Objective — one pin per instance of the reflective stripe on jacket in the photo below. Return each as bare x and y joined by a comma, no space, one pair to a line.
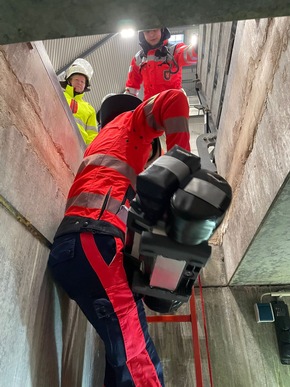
153,70
103,186
84,114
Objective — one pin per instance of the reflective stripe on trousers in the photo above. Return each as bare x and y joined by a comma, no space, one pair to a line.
89,267
134,332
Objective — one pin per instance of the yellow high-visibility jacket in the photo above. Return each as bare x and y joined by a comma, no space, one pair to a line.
84,114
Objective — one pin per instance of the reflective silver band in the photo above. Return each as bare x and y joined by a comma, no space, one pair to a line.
177,167
110,162
84,126
91,200
206,191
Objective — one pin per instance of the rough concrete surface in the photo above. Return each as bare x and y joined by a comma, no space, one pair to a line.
28,350
243,353
254,131
35,136
42,334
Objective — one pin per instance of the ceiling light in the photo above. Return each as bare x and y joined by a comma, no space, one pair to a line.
194,39
127,33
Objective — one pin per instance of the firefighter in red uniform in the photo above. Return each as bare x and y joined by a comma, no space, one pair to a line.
158,65
86,258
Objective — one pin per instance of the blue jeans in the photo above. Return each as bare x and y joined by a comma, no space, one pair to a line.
89,267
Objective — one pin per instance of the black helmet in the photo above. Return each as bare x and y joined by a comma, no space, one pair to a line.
165,35
115,104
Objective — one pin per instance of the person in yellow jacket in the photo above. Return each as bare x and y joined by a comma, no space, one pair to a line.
76,83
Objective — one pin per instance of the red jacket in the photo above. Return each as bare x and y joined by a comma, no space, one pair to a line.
119,153
153,70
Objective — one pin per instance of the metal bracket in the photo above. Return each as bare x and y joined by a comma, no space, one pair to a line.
204,142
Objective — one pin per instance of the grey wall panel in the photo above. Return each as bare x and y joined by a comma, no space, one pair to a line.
253,137
35,132
215,55
204,54
243,352
214,52
38,323
267,259
28,354
220,74
42,333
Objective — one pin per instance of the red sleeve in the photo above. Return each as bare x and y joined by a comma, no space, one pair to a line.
166,112
134,79
185,55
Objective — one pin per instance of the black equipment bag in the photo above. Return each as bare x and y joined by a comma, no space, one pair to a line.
157,183
197,208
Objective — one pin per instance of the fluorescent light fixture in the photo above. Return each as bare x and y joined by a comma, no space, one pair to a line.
127,33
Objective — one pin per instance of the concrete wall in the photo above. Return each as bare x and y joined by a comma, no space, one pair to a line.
253,149
40,150
242,352
247,90
252,152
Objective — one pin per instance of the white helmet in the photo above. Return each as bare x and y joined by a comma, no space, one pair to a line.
80,66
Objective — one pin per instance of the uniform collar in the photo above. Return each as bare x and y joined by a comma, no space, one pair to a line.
147,48
70,91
